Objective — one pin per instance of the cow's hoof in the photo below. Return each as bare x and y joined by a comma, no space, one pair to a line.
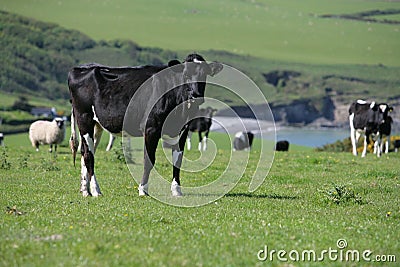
143,190
85,193
96,194
176,189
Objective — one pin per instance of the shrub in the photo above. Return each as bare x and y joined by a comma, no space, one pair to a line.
341,194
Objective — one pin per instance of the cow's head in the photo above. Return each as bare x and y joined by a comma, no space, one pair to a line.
194,72
383,111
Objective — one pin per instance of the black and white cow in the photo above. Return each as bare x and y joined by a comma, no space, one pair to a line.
282,145
201,124
396,145
243,141
103,94
385,129
365,119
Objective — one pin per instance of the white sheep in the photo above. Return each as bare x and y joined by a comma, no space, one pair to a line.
47,133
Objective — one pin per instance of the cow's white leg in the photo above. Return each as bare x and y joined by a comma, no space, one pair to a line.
200,142
94,188
176,189
143,190
110,142
379,151
84,179
188,141
204,143
387,144
353,135
364,153
376,144
354,142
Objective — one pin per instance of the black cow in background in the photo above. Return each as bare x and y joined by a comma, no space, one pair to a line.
365,119
243,141
103,94
396,145
385,130
201,124
282,145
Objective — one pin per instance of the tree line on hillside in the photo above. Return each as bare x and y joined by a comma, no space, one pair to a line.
36,56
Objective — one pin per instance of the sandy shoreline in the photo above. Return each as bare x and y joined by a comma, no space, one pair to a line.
233,125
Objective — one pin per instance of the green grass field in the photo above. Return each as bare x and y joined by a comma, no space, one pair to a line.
277,30
308,201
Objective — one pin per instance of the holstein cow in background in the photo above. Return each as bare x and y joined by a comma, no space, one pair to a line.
103,94
365,118
201,124
396,145
282,145
243,140
385,129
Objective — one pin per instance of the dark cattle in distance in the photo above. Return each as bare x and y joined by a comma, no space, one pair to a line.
365,119
201,124
282,145
385,130
396,145
103,94
243,141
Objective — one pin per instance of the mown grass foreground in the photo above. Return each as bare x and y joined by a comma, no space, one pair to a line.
309,201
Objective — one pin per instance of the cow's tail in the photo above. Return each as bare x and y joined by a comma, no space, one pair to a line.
73,141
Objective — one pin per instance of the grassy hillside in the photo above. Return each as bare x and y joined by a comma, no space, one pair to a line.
278,30
38,55
309,201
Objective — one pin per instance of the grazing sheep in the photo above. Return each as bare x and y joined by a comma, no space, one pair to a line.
47,133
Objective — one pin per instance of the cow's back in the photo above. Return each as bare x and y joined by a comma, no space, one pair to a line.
363,115
108,90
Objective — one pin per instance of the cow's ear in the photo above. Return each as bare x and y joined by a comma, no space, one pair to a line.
373,106
176,66
390,109
215,68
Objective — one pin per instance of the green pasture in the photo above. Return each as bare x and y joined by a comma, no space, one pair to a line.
277,30
308,201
